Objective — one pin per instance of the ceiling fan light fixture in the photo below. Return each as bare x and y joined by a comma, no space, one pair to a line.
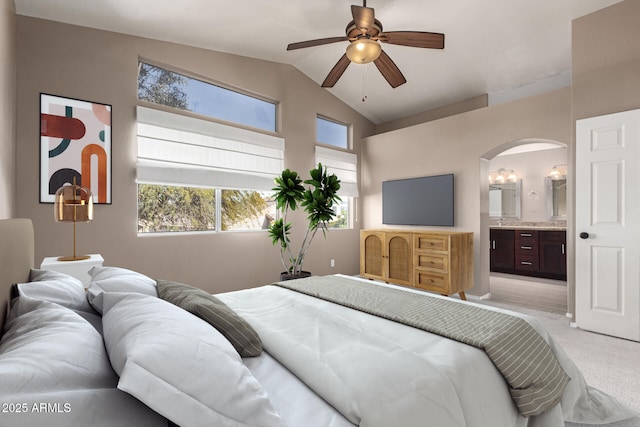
363,51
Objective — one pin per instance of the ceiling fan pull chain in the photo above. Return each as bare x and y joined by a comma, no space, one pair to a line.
364,75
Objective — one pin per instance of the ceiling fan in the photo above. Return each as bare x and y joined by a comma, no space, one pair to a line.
364,32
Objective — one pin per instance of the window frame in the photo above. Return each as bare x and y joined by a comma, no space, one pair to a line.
348,131
190,75
218,215
344,163
174,127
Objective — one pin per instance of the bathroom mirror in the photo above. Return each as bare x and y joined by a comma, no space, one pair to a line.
505,199
556,190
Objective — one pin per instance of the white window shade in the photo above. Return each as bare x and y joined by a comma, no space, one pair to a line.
181,150
344,165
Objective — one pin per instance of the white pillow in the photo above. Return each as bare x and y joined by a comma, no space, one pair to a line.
180,366
56,287
47,347
116,279
50,355
39,275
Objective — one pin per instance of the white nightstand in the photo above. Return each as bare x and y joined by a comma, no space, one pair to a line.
78,269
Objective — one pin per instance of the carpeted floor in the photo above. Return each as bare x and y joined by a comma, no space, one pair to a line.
609,364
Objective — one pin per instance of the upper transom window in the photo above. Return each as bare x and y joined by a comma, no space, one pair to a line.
332,133
161,86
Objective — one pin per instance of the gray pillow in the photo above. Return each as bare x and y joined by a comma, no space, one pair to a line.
196,301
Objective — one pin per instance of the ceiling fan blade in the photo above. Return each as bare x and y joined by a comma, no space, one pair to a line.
363,17
317,42
336,72
389,70
414,39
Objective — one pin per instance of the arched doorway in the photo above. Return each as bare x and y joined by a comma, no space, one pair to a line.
529,161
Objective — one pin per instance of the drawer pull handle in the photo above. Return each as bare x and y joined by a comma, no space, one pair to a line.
526,263
526,234
563,249
526,247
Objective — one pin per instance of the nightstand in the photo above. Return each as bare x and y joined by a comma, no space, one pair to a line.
78,269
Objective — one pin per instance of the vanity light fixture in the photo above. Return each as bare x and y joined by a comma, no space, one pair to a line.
502,175
556,172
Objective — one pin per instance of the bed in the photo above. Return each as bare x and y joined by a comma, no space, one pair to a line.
136,351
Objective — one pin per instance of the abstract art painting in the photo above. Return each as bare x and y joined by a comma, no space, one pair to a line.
75,144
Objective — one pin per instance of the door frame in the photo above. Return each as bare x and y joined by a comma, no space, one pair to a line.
484,213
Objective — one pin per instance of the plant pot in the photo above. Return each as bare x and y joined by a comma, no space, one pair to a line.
288,276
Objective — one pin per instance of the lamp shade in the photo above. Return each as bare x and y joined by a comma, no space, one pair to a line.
363,51
73,204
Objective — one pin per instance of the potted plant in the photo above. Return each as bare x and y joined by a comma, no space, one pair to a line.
317,201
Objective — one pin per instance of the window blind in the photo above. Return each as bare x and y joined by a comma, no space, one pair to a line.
344,165
179,150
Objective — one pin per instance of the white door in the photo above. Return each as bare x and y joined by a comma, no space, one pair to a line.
608,224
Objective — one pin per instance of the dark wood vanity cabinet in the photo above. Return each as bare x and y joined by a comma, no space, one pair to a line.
540,253
502,250
526,250
553,254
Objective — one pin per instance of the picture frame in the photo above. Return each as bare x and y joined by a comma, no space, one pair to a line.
75,146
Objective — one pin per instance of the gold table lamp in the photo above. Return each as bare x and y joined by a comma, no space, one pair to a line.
73,203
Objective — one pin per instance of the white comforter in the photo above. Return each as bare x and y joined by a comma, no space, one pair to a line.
379,373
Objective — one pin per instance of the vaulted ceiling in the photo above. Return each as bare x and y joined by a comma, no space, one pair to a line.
506,48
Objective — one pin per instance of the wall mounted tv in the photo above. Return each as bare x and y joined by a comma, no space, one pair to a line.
418,201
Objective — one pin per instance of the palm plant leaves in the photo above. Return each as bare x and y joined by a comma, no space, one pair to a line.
317,201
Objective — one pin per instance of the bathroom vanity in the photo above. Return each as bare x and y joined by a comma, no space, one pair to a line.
539,252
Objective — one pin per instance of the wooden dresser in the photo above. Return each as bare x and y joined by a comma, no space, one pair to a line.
438,261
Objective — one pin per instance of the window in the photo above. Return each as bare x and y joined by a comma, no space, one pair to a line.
166,208
246,210
172,89
196,175
332,133
342,209
345,166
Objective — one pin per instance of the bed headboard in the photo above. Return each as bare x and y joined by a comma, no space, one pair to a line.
16,258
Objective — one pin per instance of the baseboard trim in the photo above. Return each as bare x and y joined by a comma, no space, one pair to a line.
479,297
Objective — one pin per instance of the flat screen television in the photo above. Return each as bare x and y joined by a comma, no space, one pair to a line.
418,201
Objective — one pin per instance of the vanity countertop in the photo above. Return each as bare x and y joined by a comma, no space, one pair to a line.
529,227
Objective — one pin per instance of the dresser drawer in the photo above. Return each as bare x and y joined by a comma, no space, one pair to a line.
431,242
527,262
432,262
432,281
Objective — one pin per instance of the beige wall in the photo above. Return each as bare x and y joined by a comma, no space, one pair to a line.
7,108
101,66
606,61
474,103
456,145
